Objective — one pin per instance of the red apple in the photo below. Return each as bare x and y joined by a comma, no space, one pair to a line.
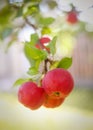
58,83
30,95
72,17
43,42
52,103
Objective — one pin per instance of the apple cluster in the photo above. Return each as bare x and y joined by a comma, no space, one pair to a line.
56,85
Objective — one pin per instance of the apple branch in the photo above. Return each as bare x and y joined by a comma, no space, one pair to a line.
46,65
29,23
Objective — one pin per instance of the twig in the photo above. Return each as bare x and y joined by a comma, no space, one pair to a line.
29,23
46,65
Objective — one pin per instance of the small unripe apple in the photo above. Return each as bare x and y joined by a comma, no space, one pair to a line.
44,40
42,44
72,17
30,95
58,83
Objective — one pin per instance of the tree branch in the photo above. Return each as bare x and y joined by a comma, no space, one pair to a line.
46,65
29,23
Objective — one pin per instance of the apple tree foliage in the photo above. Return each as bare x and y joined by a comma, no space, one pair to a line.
29,11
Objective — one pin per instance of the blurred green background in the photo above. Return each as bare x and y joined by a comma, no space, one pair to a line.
76,113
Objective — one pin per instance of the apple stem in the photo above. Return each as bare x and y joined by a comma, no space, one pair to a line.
46,66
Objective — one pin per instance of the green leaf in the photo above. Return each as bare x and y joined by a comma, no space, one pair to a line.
35,1
31,10
45,30
33,53
34,38
20,81
32,71
5,14
52,4
65,63
52,45
54,65
46,21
